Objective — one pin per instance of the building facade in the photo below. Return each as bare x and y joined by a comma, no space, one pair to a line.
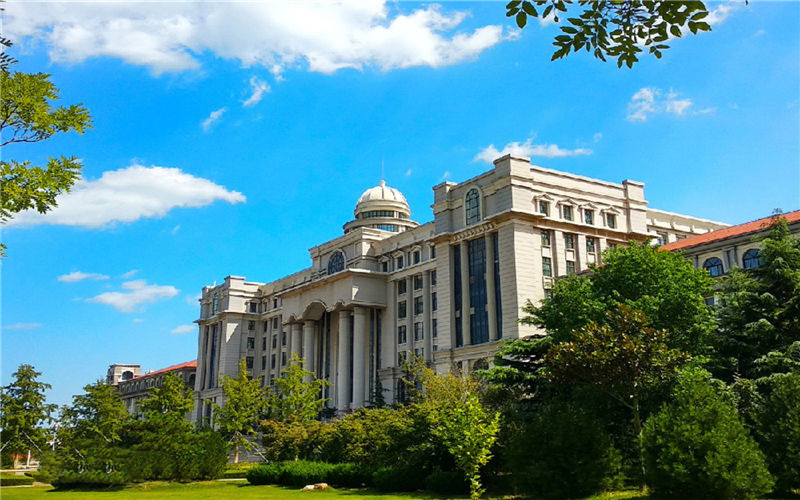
132,385
446,291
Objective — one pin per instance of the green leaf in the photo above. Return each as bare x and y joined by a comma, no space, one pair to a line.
522,19
513,3
529,9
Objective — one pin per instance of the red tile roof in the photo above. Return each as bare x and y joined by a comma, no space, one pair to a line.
729,232
188,364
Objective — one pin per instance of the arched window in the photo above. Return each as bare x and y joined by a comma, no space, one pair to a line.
127,375
713,266
336,262
751,259
472,206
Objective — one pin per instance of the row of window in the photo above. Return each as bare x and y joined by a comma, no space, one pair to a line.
567,214
415,257
547,267
569,242
402,309
750,260
256,307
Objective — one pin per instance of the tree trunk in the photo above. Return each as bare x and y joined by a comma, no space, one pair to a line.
236,453
637,425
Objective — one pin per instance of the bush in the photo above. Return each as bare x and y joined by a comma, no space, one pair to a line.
779,431
301,473
402,479
562,452
14,480
90,480
447,483
39,476
183,457
350,475
265,474
285,441
697,446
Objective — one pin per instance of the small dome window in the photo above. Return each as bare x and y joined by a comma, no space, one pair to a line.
336,262
713,266
752,259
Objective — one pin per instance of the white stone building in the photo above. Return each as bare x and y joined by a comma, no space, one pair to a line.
446,290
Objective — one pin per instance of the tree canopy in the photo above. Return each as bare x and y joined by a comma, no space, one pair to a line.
245,404
23,411
292,398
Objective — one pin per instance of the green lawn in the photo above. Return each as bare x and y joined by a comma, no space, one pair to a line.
223,490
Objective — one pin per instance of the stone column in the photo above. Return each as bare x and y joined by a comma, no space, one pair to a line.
343,370
427,305
308,347
359,355
491,298
581,253
466,335
297,335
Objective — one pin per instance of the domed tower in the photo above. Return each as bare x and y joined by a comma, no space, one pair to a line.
384,208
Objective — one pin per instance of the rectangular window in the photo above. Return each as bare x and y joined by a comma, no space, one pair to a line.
283,338
418,332
570,267
569,241
266,325
253,307
434,328
544,208
275,323
401,286
417,256
402,336
274,303
662,239
283,359
419,352
263,362
547,266
399,262
251,325
275,341
401,357
433,251
588,216
264,344
591,245
251,343
248,362
433,278
566,212
611,220
418,282
385,266
548,293
545,238
418,305
434,302
273,361
401,309
709,301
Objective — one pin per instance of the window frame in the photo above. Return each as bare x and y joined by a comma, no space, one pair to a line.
472,206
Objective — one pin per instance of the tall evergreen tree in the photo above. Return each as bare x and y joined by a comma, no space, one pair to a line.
23,411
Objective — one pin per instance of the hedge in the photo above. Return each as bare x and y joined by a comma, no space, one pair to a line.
14,480
90,480
301,473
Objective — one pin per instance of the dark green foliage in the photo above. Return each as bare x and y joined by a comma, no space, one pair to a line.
614,29
14,480
696,446
350,475
562,452
399,479
265,474
90,480
371,437
301,473
447,483
179,457
295,440
23,411
779,430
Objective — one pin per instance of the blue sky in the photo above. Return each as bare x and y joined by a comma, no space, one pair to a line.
230,138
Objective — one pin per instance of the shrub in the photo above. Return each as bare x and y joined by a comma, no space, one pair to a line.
265,474
90,480
301,473
350,475
14,480
562,452
398,479
447,483
697,446
294,440
779,430
184,457
39,476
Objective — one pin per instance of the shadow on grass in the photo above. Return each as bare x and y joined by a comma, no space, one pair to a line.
363,492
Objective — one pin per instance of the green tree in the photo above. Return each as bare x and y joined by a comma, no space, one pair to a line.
778,430
625,359
458,418
166,406
759,318
616,29
293,399
23,411
245,404
27,115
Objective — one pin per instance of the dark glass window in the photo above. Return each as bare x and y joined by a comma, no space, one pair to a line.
283,359
547,266
401,286
662,239
709,301
266,325
566,212
274,303
377,213
264,344
418,332
611,220
569,241
399,262
401,309
248,362
433,278
570,267
251,325
434,328
544,208
402,338
713,266
275,341
283,338
386,227
418,305
591,246
418,282
385,266
479,318
457,295
272,361
336,263
472,206
545,238
417,256
263,362
253,307
275,323
215,303
751,259
588,216
433,251
434,302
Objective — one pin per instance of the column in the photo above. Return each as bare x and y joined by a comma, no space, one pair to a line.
297,334
466,335
427,305
582,254
558,253
491,297
343,370
308,348
359,355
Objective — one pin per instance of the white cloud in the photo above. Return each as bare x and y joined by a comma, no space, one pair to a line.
527,148
126,195
596,137
259,88
409,172
130,274
23,326
445,176
318,36
180,330
76,276
176,229
721,13
136,293
649,101
193,300
137,320
213,117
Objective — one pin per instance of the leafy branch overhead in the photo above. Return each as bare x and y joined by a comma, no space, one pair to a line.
620,29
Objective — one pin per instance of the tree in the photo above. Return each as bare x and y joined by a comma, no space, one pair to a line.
625,359
778,430
245,403
166,406
461,422
292,398
759,318
28,115
620,29
23,410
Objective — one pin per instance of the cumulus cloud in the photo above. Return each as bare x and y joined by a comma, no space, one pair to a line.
126,195
134,294
180,330
317,36
130,274
649,101
721,13
23,326
76,276
137,320
212,118
259,88
529,149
